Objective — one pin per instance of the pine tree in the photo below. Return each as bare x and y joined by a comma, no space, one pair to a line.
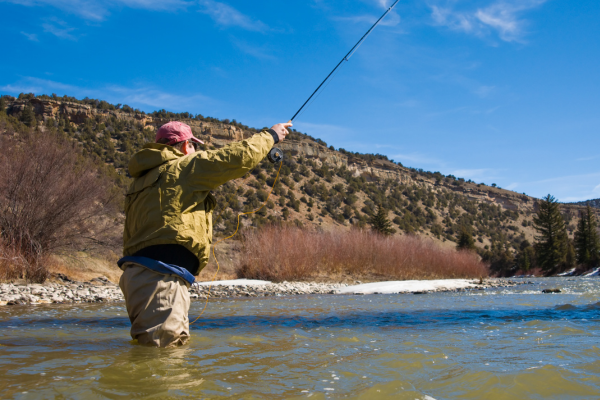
2,104
552,241
587,243
526,256
465,240
28,116
380,222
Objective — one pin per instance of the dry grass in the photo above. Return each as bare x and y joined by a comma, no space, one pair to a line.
83,267
79,266
14,266
291,254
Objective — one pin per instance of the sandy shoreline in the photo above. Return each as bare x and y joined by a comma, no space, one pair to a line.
102,290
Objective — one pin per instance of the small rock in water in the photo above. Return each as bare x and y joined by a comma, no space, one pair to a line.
551,291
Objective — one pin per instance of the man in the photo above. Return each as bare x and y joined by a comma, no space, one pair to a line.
168,224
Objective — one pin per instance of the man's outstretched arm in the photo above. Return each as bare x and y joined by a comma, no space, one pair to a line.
209,169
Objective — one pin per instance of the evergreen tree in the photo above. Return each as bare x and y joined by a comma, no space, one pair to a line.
28,116
465,240
380,222
552,240
3,104
587,243
526,256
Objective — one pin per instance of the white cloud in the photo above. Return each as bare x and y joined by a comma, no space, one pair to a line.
453,20
59,29
99,10
254,51
324,131
477,174
567,188
226,15
416,158
156,98
31,36
136,96
501,17
20,88
484,90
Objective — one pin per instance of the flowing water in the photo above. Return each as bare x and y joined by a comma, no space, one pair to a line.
511,343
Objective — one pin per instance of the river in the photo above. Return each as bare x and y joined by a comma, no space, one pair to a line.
504,343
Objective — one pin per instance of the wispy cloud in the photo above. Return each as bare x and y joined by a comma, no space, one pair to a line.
136,96
157,98
417,158
325,131
21,88
31,36
59,29
392,19
502,17
484,91
568,188
255,51
228,16
99,10
477,174
587,158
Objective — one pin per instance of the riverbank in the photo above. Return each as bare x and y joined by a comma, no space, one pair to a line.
102,290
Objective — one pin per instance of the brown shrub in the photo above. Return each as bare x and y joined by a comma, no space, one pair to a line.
291,254
51,198
13,265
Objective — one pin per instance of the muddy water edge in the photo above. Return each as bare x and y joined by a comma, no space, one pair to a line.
500,343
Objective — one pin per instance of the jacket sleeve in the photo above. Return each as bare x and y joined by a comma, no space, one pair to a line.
206,170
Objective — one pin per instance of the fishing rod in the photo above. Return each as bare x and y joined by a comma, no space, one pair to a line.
346,57
276,155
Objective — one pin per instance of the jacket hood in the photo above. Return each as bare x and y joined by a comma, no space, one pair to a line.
150,157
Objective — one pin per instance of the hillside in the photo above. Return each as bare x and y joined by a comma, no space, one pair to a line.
319,187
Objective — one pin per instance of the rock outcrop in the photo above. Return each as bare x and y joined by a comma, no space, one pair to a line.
219,134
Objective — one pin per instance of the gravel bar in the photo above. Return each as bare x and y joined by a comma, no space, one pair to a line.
102,290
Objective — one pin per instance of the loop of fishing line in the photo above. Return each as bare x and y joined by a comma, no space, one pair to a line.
232,235
309,102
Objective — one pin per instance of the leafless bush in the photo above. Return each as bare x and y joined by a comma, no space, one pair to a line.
280,253
51,198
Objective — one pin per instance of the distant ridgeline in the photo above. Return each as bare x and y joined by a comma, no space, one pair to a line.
320,187
592,203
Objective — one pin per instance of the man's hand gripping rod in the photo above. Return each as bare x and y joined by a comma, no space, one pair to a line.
276,155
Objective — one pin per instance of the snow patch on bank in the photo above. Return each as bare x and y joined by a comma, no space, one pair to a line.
595,272
408,286
234,282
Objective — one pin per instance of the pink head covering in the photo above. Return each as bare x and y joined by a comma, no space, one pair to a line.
176,132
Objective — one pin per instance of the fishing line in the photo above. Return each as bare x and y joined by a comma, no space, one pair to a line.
232,235
346,57
331,75
317,96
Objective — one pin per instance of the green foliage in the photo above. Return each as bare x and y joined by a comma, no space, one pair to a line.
380,222
28,116
115,134
552,240
587,243
465,240
525,258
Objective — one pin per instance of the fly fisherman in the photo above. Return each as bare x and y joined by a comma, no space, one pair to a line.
168,224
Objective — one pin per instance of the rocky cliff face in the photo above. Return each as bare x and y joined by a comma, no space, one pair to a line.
219,134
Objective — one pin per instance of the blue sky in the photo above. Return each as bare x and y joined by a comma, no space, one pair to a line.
496,91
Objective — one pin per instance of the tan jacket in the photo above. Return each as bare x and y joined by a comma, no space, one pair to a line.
169,202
